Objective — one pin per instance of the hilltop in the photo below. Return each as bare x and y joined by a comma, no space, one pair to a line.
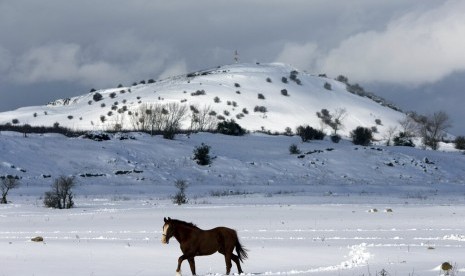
259,97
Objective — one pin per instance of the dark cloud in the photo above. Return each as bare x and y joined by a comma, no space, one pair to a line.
56,48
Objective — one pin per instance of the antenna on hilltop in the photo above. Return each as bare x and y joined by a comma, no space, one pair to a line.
236,56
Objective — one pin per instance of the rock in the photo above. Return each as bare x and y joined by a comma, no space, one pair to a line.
37,239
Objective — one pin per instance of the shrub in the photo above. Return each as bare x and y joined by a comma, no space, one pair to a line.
342,78
70,117
93,90
226,113
403,140
378,122
284,79
460,142
15,121
180,197
97,96
327,86
361,136
335,138
261,109
284,92
216,99
35,114
60,196
151,81
120,85
198,93
288,131
308,133
268,80
245,111
293,149
202,155
142,82
230,128
103,105
112,95
237,85
260,96
102,118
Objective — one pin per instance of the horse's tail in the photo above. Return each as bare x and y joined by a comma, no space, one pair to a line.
241,251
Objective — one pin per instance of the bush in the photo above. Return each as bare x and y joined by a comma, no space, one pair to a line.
403,140
230,128
268,80
460,142
293,149
284,79
261,109
202,155
97,96
237,85
308,133
216,100
284,92
336,138
112,95
361,136
15,121
327,86
180,197
60,196
260,96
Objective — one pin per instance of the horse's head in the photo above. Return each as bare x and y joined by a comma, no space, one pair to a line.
168,231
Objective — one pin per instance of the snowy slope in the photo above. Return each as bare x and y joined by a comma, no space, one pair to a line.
252,164
238,83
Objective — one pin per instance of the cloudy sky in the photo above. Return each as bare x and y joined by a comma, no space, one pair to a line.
408,51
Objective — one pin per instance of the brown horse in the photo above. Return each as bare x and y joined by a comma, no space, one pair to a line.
197,242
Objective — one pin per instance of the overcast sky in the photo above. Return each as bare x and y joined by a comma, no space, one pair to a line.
408,51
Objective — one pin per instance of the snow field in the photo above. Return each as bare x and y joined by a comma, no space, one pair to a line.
103,236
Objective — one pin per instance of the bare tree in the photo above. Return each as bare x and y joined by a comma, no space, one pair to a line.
389,134
60,196
140,118
6,185
409,126
202,119
334,120
434,128
173,115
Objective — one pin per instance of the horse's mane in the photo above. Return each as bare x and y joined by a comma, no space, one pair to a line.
188,224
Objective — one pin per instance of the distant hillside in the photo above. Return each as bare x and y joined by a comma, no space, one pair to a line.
259,97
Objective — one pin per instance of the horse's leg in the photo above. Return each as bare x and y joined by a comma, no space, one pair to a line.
178,270
192,265
238,263
227,257
227,260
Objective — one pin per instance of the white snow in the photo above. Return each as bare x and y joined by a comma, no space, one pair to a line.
337,209
297,216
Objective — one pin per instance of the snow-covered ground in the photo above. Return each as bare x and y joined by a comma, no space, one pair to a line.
325,213
105,236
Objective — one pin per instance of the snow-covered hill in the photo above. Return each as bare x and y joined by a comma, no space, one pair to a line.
252,164
291,98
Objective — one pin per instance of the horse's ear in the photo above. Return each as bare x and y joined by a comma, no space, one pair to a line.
165,219
169,218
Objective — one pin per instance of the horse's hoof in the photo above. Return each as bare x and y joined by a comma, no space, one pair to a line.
178,273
